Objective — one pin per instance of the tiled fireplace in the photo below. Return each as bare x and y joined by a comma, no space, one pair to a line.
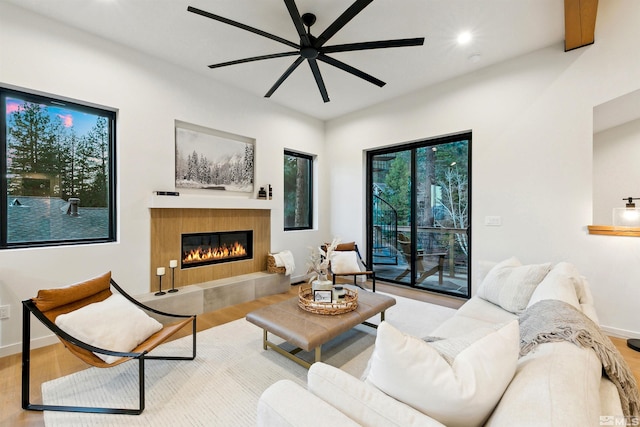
178,232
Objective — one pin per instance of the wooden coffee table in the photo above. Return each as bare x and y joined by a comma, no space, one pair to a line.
308,331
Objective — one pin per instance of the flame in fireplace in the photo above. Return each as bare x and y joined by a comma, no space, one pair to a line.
207,254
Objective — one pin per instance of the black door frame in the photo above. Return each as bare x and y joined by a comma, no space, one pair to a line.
412,147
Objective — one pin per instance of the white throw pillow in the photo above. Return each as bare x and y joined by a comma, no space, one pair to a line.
510,284
113,324
462,393
559,284
345,262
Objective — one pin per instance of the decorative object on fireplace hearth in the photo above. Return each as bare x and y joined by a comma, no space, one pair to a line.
272,266
160,273
173,264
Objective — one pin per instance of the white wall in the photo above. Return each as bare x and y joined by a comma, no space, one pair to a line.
41,55
616,174
531,119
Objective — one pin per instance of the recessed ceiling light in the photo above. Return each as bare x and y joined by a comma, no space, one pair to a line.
464,37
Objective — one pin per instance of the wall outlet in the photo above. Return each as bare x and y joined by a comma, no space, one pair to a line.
5,312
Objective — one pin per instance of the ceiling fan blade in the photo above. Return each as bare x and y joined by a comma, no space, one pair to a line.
297,21
284,76
382,44
242,26
349,69
254,58
316,74
341,21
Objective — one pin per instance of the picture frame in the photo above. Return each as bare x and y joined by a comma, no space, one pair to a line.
213,160
322,296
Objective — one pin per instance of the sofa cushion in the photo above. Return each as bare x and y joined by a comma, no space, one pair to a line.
510,284
364,403
475,313
556,385
113,324
478,308
462,393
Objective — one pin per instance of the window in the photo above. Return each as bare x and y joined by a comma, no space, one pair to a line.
298,191
57,172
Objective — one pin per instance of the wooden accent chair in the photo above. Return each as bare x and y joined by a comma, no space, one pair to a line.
352,247
51,303
423,267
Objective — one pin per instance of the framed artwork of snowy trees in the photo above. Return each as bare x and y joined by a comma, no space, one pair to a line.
213,160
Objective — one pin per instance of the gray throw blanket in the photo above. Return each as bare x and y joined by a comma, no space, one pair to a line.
554,320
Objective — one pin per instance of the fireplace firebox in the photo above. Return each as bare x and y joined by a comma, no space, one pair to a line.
200,249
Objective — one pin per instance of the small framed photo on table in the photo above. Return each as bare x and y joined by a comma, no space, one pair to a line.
322,296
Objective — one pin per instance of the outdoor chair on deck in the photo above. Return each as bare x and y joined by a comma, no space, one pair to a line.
347,261
424,267
83,304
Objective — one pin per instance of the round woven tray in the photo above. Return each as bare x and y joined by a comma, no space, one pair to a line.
306,302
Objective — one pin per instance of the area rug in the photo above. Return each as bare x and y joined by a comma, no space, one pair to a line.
222,385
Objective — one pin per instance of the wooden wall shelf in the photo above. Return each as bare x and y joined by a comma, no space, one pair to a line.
610,230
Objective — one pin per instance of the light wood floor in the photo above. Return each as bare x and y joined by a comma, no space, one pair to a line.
54,361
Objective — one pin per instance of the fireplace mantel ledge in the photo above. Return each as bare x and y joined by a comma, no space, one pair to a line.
190,201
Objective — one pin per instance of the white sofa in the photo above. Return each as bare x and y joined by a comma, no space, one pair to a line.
558,384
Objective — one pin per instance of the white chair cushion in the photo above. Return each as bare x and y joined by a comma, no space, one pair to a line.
345,262
510,284
113,324
462,393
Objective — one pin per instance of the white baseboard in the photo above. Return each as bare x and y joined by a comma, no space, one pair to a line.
619,333
16,348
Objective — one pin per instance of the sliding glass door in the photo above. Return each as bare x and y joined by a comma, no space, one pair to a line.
418,214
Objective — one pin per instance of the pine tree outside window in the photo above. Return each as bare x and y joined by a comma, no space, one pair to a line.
57,163
298,191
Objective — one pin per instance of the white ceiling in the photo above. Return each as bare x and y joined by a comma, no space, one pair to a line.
502,29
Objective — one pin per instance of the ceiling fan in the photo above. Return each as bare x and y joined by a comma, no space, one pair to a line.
313,48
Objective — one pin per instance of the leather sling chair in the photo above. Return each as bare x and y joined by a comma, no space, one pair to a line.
51,303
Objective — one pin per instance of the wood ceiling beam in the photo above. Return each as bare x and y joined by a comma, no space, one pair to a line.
579,23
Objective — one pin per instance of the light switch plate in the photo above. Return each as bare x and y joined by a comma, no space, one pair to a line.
492,220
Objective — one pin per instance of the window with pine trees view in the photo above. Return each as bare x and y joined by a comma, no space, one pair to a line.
57,172
298,191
